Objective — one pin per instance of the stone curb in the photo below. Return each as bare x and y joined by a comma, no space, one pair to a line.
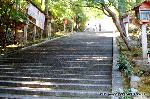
116,75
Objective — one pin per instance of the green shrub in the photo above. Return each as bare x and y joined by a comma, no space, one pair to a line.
124,65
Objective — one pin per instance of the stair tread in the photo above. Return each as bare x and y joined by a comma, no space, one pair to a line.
12,96
52,90
50,83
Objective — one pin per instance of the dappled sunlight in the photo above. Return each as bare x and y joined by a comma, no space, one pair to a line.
92,58
37,82
12,46
34,89
6,68
90,42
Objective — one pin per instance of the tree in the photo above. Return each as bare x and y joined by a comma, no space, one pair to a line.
46,19
65,9
8,17
79,15
120,7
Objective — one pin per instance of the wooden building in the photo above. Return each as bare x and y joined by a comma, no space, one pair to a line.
142,12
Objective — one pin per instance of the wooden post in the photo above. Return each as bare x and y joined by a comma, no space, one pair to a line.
49,29
127,32
64,27
42,34
34,33
65,23
72,27
144,43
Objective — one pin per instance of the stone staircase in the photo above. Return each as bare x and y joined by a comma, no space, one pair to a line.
74,67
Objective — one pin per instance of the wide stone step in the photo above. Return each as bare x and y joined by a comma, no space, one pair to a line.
83,48
49,72
52,75
55,68
50,92
48,54
101,67
82,61
67,64
98,52
58,60
13,96
34,67
90,79
65,86
59,71
66,56
79,44
25,64
84,58
30,56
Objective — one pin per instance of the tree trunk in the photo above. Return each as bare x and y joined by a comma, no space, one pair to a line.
46,19
117,23
3,38
122,26
15,34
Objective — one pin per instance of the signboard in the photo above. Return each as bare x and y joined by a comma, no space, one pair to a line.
40,20
37,15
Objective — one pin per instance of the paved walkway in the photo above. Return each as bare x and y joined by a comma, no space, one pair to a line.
78,66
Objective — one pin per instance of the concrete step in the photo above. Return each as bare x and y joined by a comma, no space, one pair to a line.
67,64
104,79
55,53
65,56
58,60
65,86
101,48
53,69
50,92
51,75
12,96
61,71
79,44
